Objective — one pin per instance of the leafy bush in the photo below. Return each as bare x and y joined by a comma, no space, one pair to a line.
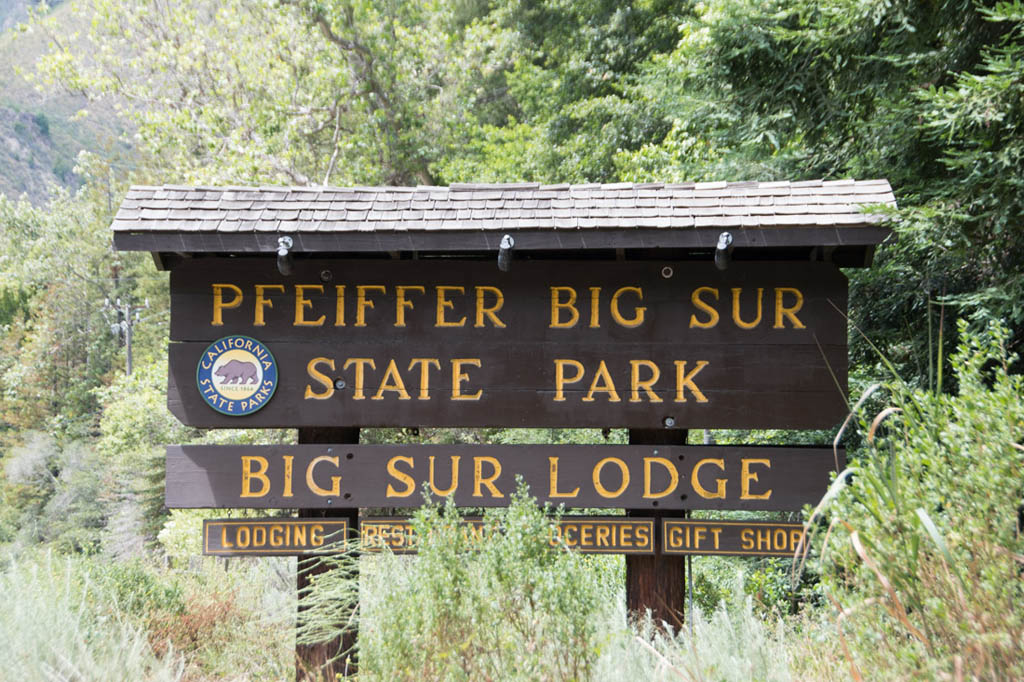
926,561
61,624
509,607
732,643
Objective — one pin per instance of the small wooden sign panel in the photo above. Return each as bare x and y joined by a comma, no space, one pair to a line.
730,538
585,534
598,476
449,342
272,537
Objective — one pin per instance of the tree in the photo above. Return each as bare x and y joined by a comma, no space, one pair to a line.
925,95
296,92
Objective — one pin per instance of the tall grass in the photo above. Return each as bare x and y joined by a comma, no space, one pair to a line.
512,608
733,643
58,624
925,557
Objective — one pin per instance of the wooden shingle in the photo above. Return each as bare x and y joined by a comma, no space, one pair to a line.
468,217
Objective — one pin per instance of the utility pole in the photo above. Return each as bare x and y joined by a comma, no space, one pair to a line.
124,325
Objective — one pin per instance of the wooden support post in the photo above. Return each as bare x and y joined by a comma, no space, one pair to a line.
656,582
312,662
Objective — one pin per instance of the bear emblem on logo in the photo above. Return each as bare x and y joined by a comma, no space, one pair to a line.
236,375
236,370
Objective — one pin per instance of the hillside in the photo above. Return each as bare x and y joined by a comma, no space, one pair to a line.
39,141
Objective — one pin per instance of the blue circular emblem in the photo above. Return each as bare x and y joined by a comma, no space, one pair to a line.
236,375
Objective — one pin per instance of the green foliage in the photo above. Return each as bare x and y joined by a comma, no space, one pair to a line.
926,555
295,92
55,348
507,606
138,591
729,644
926,95
56,491
559,112
59,623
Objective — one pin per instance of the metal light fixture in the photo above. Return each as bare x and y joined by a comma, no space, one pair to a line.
723,252
284,255
505,252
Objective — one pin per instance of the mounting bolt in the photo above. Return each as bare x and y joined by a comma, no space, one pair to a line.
669,422
339,384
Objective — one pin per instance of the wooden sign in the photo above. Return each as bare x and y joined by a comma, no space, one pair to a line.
444,342
733,538
272,537
599,476
586,534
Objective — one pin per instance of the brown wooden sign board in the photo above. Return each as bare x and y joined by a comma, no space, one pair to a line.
730,538
598,476
449,342
585,534
272,537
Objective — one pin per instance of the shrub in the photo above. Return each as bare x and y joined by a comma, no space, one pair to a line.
732,643
926,562
59,623
508,607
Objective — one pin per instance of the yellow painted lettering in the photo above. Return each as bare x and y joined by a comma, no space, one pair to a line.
638,314
454,479
623,469
746,476
321,378
736,309
558,305
220,305
595,307
607,385
684,381
635,383
401,477
425,365
339,305
719,493
359,384
480,480
704,306
301,303
335,480
401,302
392,381
782,310
288,464
553,481
490,312
561,380
362,302
672,473
459,377
263,302
249,475
444,304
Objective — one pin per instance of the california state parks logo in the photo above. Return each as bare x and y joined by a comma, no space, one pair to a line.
237,375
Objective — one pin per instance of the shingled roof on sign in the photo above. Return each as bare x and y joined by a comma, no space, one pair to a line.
473,217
